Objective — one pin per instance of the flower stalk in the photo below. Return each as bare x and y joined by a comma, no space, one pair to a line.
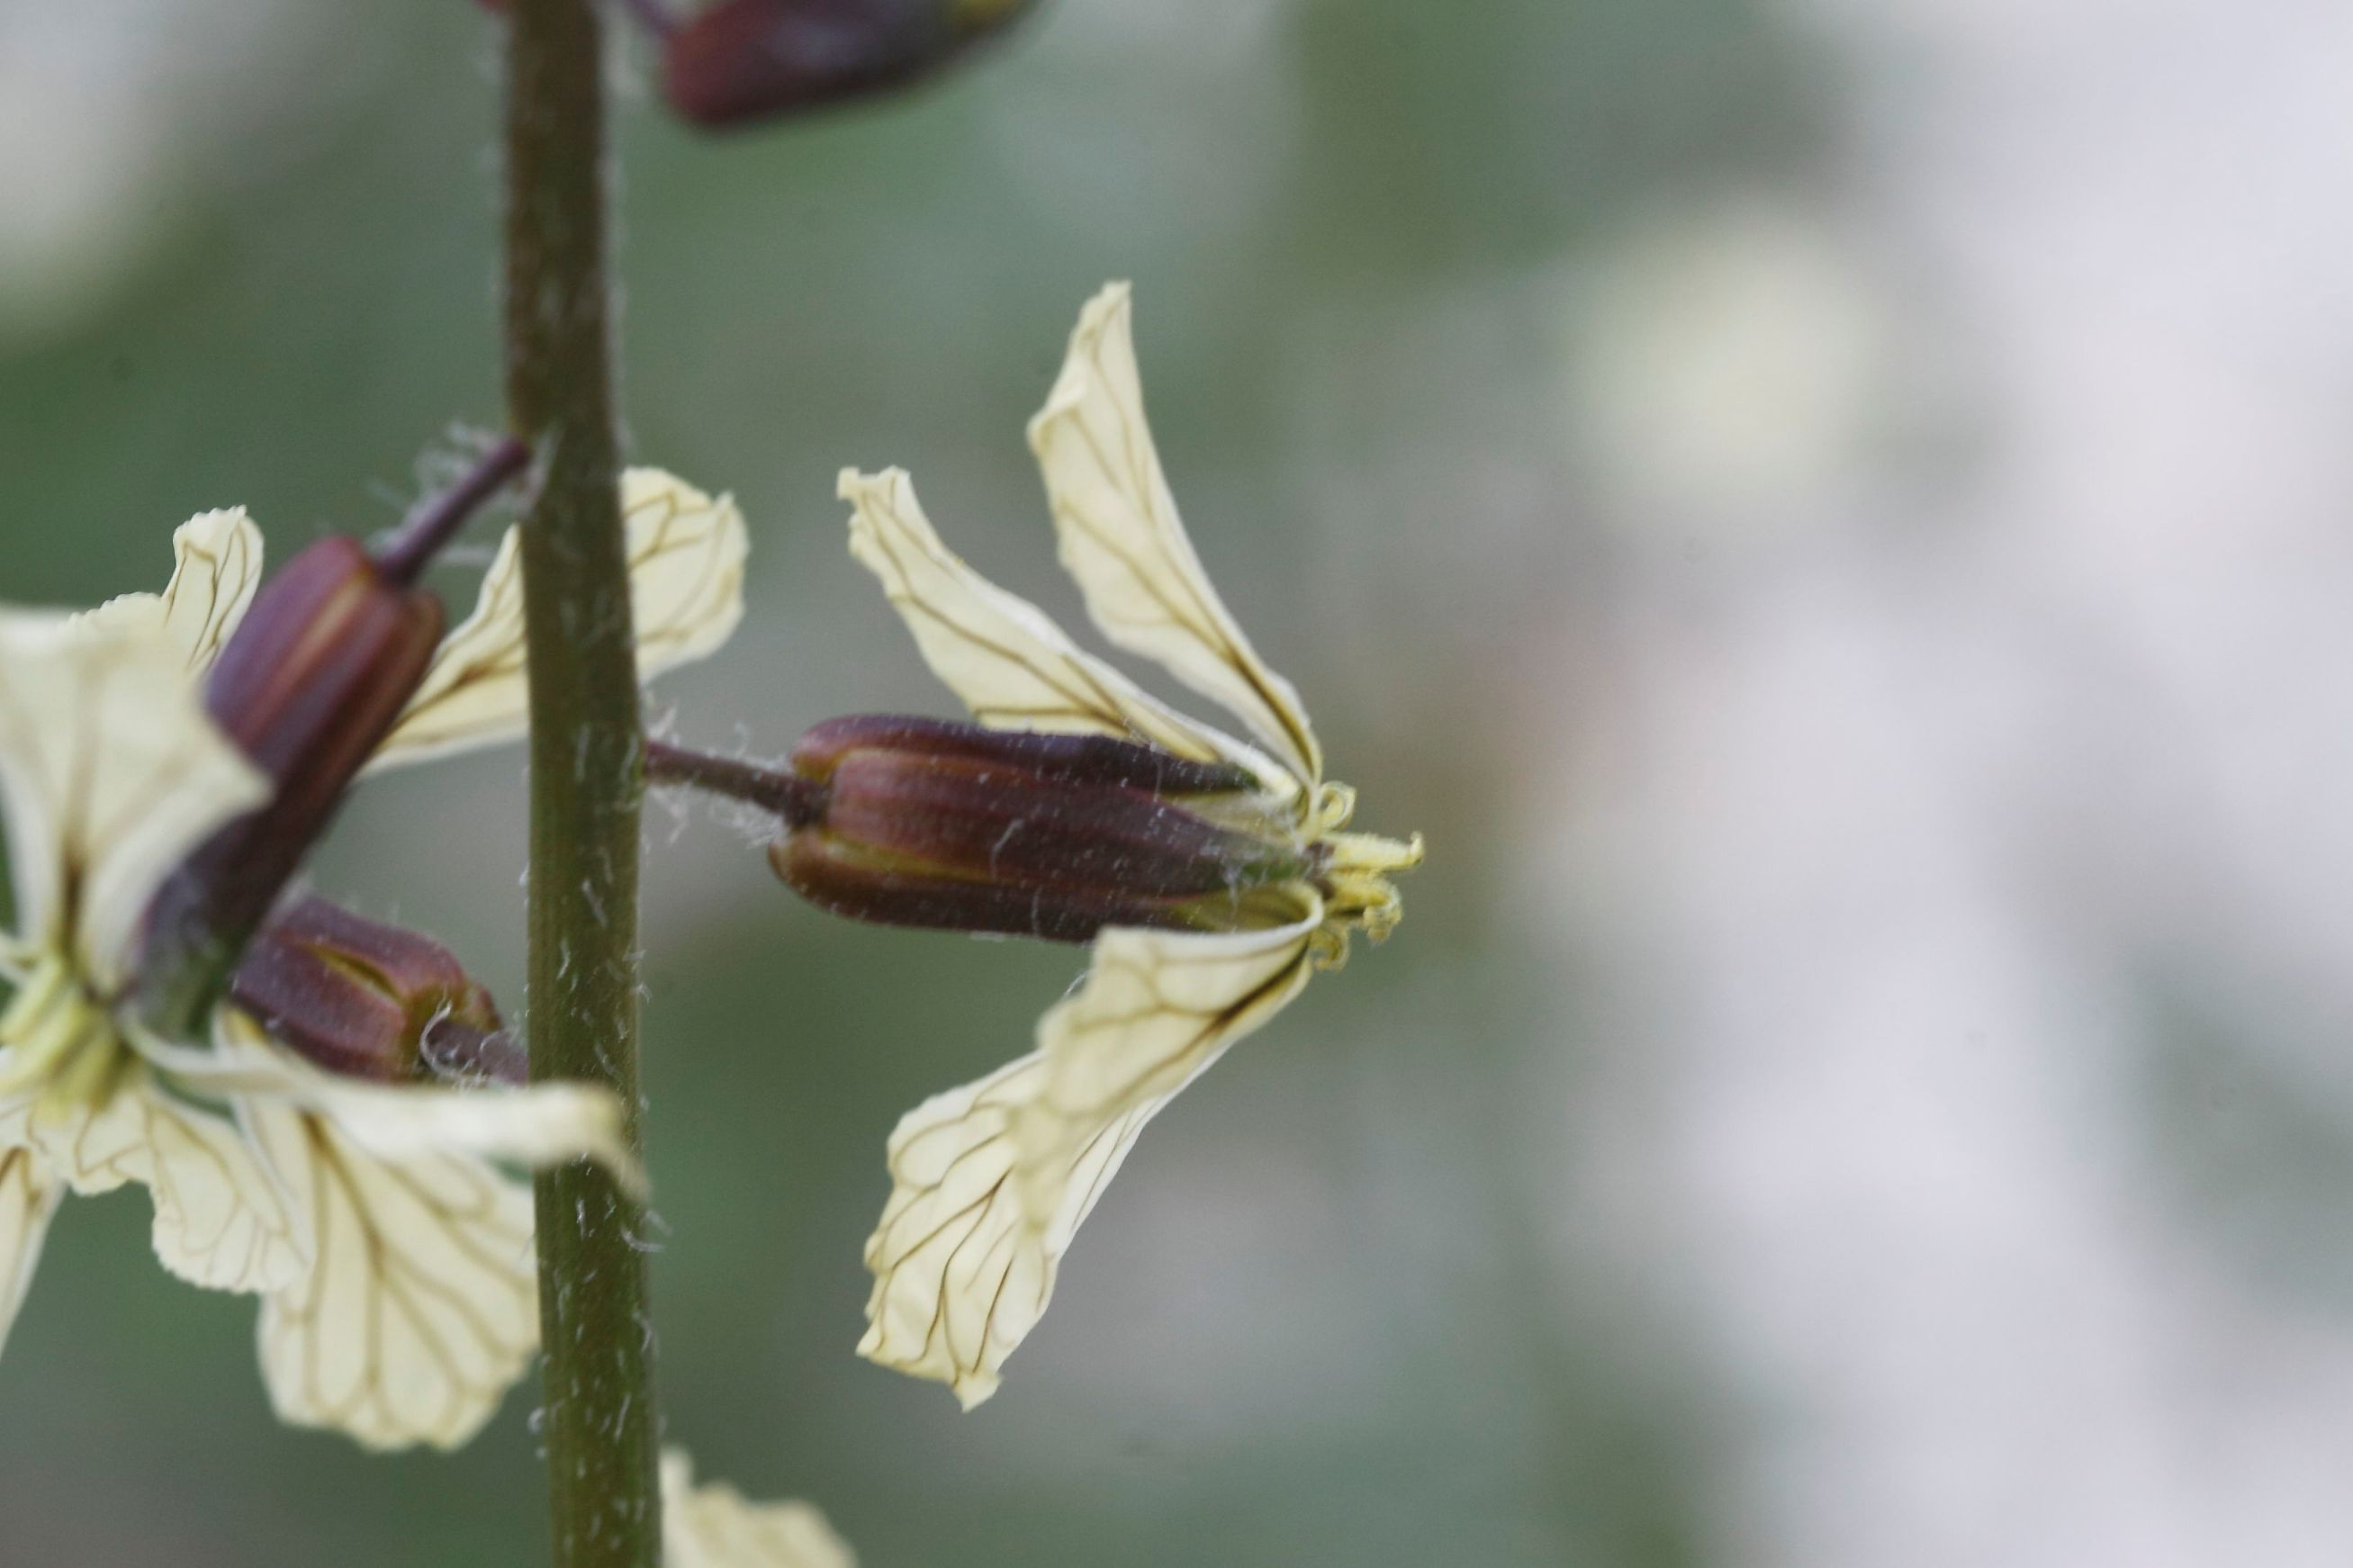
404,556
601,1425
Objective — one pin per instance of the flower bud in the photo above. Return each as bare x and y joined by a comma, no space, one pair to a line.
316,675
914,822
312,680
756,59
371,1001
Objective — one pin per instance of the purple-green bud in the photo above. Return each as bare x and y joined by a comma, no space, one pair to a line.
746,60
314,677
916,822
371,1001
311,681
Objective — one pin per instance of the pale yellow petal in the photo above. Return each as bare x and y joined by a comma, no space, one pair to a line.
222,1220
421,1308
94,1151
715,1526
1122,538
1157,1009
539,1125
29,1197
686,594
1005,657
960,1276
110,772
216,567
991,1180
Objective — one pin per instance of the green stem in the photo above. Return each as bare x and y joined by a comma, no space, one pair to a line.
601,1428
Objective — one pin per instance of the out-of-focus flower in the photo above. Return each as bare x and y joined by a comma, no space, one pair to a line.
746,60
371,1212
992,1180
715,1526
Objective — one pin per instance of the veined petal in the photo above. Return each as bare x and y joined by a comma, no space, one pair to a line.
29,1197
686,594
960,1279
216,567
1122,538
110,772
1011,664
542,1125
1155,1009
221,1219
991,1180
421,1308
715,1526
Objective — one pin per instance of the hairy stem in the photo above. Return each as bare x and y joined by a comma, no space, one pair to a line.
601,1425
403,557
796,801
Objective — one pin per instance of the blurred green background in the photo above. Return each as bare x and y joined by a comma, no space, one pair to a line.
1860,1080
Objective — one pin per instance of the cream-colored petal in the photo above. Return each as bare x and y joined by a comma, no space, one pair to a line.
1122,538
221,1219
93,1151
421,1308
29,1197
991,1180
686,596
1155,1009
542,1125
960,1277
217,566
110,772
715,1526
1007,660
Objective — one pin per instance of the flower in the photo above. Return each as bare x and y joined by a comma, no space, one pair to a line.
991,1180
713,1526
391,1251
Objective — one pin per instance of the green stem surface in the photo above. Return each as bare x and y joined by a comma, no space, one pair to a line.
601,1425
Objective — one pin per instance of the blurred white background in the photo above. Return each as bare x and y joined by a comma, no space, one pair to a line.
1837,519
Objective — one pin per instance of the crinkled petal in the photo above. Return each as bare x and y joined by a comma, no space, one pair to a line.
1122,538
1155,1009
110,772
29,1197
221,1219
1005,657
686,586
95,1151
991,1180
715,1526
421,1308
217,566
539,1125
960,1278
